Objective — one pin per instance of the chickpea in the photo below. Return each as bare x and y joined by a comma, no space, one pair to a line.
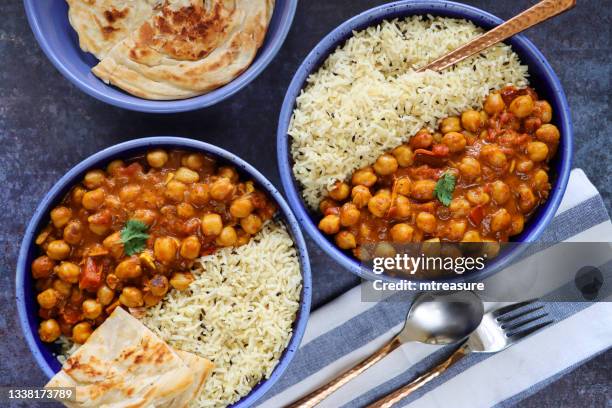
330,224
423,190
477,196
227,237
131,297
548,133
241,207
402,186
175,190
48,298
49,331
145,216
456,229
91,309
129,192
228,172
165,249
221,189
185,210
543,111
471,120
384,250
99,223
199,194
500,192
469,168
93,199
130,268
340,191
105,295
521,106
494,104
426,222
385,165
212,224
159,285
450,124
58,250
527,199
422,140
186,175
494,156
76,195
114,166
150,299
361,196
326,205
63,288
537,151
243,238
349,215
68,272
459,207
540,180
364,177
73,232
190,247
524,166
471,236
401,233
157,158
379,204
112,281
81,332
60,216
42,267
518,223
251,224
195,161
402,207
346,240
181,280
404,155
500,220
454,141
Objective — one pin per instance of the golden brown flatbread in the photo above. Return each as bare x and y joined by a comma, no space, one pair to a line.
189,47
201,368
101,24
124,364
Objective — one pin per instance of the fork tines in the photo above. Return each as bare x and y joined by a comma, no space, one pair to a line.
512,322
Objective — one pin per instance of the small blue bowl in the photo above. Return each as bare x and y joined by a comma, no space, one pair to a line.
542,78
49,22
25,292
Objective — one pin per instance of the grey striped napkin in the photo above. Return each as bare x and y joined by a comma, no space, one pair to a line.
345,331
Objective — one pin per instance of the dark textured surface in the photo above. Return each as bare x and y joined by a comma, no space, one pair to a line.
47,126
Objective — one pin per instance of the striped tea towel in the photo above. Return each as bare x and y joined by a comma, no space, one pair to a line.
347,330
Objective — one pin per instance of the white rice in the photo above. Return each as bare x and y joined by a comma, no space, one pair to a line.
367,99
238,313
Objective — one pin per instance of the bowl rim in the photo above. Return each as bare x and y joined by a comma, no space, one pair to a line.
366,19
135,103
115,151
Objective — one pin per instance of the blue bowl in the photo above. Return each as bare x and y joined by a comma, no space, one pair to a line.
542,78
25,292
49,22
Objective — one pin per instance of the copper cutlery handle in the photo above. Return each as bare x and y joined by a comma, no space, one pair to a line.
528,18
325,391
403,392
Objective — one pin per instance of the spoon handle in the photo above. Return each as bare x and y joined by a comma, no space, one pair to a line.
326,390
403,392
540,12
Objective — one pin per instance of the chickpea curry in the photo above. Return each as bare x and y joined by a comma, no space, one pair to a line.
477,179
128,235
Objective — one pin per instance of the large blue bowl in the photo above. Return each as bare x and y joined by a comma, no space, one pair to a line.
542,78
25,292
49,22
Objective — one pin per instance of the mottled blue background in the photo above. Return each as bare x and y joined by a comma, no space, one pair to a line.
47,126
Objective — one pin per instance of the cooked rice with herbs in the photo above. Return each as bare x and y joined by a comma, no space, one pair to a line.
367,99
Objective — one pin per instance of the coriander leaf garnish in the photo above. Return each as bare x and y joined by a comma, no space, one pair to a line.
445,187
134,237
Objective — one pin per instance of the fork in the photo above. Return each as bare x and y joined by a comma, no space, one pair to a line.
498,330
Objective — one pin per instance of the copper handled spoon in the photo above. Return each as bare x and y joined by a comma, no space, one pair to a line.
540,12
433,318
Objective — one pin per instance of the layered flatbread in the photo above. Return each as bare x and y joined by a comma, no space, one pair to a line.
101,24
124,364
